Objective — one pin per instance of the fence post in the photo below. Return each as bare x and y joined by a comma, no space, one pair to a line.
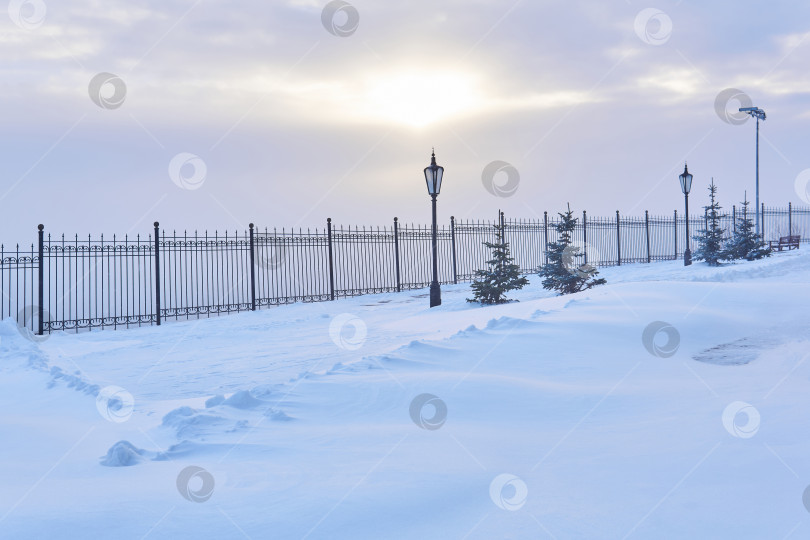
647,226
790,219
252,271
157,272
734,217
453,246
618,238
676,234
585,235
763,221
396,252
331,260
503,229
545,232
41,287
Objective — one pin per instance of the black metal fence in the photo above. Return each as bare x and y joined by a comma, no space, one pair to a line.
80,284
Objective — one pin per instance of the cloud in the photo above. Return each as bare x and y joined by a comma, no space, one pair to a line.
566,92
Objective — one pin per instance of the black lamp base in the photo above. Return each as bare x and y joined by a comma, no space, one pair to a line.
435,294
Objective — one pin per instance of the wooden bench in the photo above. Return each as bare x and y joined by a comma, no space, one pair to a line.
789,242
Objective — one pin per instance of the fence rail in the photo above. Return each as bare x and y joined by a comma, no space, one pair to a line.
85,283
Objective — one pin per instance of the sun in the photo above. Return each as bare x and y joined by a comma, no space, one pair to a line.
419,99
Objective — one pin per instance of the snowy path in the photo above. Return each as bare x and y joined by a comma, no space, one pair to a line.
608,440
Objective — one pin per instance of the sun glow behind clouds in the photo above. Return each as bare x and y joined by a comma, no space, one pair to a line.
408,97
419,99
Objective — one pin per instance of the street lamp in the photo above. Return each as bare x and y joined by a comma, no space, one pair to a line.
759,114
686,187
433,177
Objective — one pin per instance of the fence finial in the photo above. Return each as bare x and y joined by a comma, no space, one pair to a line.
40,227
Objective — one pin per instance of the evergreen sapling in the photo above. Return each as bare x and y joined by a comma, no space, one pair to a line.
562,272
711,240
500,277
746,243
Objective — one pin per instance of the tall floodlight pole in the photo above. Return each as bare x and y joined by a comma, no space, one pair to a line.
433,177
759,114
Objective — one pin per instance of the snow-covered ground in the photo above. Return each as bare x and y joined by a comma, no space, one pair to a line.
671,403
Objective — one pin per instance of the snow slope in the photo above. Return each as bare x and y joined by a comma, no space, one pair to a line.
671,403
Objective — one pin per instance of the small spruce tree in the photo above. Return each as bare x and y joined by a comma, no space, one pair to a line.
562,273
746,243
711,240
500,276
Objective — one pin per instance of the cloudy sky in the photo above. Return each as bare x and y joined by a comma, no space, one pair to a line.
204,114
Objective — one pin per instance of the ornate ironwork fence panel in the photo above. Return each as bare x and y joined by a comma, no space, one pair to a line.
19,285
91,283
663,232
364,260
603,247
204,275
799,223
292,266
696,224
471,253
633,232
526,243
416,255
790,221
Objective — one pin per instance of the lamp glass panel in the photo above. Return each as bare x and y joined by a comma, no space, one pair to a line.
686,182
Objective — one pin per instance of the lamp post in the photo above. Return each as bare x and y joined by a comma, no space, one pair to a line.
686,187
759,114
433,177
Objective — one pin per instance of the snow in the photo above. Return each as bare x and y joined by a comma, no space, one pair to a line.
377,417
123,454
